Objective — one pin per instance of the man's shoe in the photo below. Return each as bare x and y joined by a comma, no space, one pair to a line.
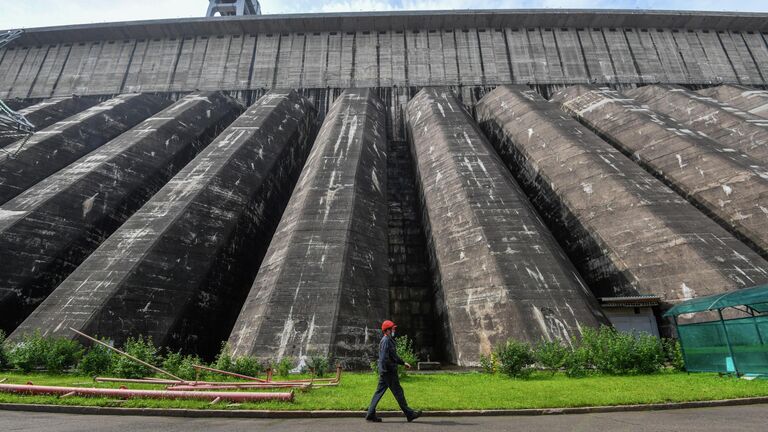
416,414
373,419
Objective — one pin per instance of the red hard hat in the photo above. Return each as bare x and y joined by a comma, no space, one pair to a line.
386,325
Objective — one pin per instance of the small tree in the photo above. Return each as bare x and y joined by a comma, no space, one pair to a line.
247,365
317,364
3,353
29,353
96,361
142,349
489,363
405,350
515,358
551,355
62,354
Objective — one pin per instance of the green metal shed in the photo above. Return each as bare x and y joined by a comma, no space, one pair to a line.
726,345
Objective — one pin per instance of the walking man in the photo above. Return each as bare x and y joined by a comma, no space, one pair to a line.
388,379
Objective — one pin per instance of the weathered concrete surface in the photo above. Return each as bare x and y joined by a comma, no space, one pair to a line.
49,112
179,268
733,128
729,186
627,232
457,48
744,98
322,287
26,162
48,230
500,272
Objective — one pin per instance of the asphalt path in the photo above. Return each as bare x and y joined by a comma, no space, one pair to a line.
740,418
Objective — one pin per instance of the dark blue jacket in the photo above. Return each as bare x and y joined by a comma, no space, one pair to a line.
388,358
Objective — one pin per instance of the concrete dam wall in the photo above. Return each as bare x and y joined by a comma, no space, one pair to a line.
285,183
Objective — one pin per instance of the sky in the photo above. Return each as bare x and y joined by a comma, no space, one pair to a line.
40,13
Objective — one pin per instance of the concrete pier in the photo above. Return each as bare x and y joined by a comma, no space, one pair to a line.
48,230
322,287
180,267
731,187
744,98
500,272
625,230
26,162
732,128
51,111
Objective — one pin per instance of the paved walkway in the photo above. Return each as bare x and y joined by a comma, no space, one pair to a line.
742,418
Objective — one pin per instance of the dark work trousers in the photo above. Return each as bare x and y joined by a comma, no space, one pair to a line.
389,380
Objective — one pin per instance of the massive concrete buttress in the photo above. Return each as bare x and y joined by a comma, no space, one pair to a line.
49,112
26,162
733,128
322,287
48,230
741,97
729,186
627,232
500,272
179,268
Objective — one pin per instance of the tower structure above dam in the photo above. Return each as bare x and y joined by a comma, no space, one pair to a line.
367,178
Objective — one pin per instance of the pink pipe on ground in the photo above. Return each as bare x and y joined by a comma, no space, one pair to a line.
199,387
149,394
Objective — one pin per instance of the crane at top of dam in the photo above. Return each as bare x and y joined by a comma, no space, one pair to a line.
233,8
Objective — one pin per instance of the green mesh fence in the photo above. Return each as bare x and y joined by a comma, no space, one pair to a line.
705,345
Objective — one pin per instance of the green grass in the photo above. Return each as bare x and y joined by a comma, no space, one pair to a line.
448,392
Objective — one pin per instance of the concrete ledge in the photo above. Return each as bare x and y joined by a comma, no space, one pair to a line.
63,409
395,20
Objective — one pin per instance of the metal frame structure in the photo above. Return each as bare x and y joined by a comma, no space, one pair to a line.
750,301
10,120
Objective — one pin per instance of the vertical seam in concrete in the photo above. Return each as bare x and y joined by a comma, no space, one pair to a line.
128,68
178,57
509,55
61,71
378,61
610,55
202,64
583,56
429,63
327,55
18,72
456,50
352,82
483,79
405,58
303,57
752,56
765,44
559,56
706,56
684,64
39,69
658,54
730,62
638,72
253,59
277,59
222,81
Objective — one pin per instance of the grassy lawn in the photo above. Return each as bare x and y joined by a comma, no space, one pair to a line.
447,391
